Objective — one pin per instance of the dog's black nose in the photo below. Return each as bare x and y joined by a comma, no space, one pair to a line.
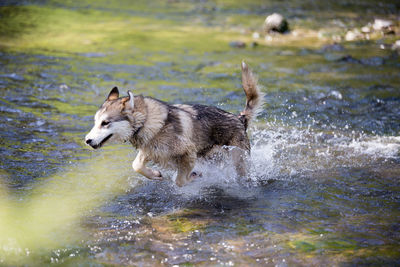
88,141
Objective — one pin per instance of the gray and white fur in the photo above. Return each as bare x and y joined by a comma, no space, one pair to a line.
175,135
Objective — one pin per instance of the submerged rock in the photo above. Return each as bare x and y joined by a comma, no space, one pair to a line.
253,44
13,76
276,23
336,94
385,46
92,54
237,44
348,59
335,47
371,61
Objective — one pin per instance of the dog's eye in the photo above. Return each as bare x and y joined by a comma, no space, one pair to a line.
104,123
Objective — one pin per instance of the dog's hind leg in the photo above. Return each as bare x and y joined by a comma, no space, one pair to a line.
239,155
139,165
239,160
185,166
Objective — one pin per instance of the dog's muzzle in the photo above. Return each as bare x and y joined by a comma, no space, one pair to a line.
95,146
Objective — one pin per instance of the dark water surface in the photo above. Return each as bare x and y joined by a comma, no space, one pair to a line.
325,172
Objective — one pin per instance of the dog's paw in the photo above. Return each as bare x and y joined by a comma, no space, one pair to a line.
157,175
180,183
195,175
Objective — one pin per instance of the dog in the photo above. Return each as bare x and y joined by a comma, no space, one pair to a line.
175,136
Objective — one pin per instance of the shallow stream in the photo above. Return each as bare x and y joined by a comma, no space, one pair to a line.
325,174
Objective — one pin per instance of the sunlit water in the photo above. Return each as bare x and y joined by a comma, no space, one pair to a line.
324,174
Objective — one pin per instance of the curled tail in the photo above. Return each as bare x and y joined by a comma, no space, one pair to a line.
254,97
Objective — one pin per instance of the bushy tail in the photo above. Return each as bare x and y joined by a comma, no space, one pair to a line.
254,97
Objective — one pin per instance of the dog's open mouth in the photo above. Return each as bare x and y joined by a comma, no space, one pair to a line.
102,142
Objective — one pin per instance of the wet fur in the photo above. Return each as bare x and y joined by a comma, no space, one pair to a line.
175,136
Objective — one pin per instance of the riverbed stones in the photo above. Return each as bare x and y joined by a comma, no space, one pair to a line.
366,29
276,23
382,25
396,45
353,35
256,35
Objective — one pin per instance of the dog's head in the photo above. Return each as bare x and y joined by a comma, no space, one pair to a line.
112,120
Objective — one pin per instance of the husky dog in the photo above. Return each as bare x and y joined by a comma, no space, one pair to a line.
175,135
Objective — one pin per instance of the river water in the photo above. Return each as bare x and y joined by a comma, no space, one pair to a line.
324,185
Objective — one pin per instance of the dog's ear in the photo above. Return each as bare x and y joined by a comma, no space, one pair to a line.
114,94
130,103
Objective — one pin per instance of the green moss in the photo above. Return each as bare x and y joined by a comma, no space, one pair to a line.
67,31
184,225
15,21
318,231
338,244
303,246
244,228
67,108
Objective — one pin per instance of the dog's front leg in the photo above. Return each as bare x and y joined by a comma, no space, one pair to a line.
185,167
139,165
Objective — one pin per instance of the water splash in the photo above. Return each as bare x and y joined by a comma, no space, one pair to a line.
284,153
